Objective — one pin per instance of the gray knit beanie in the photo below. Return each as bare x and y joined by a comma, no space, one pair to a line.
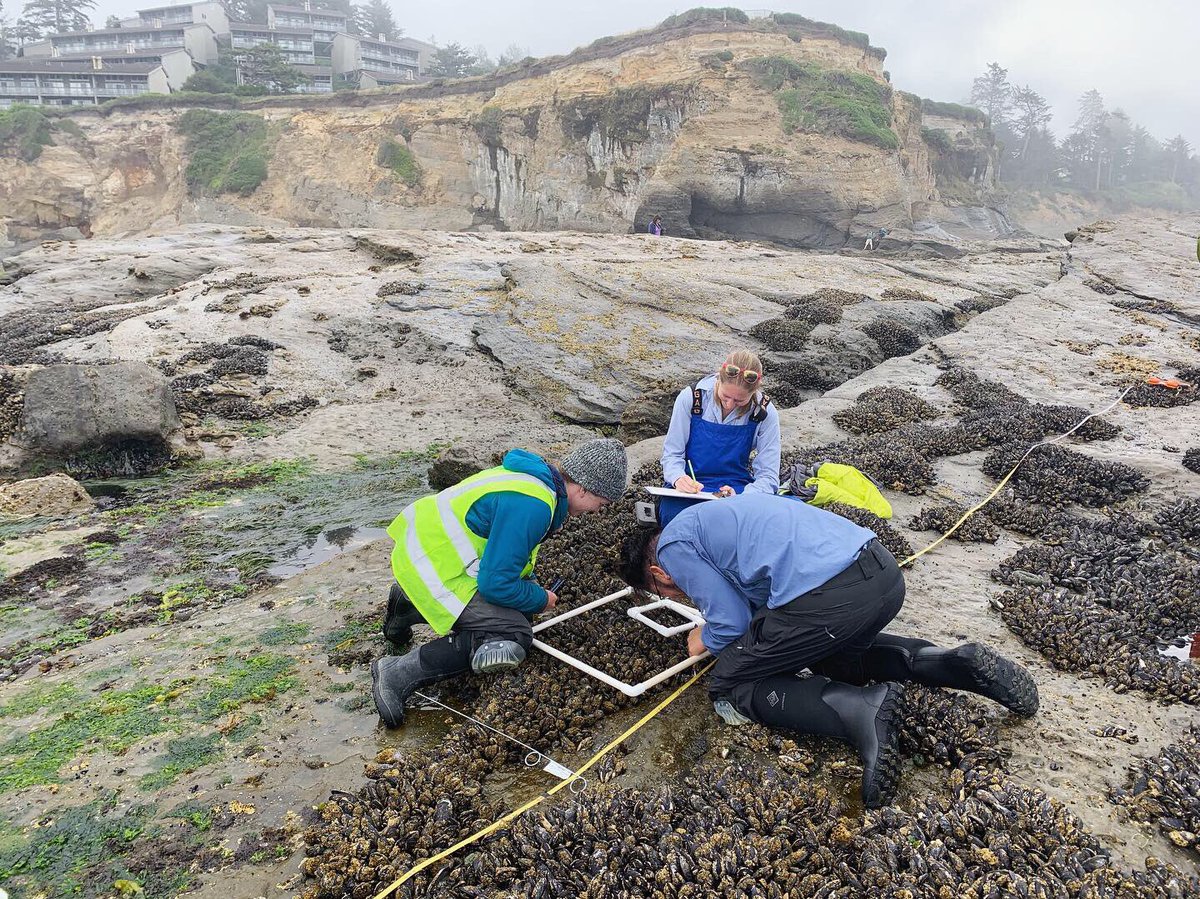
599,467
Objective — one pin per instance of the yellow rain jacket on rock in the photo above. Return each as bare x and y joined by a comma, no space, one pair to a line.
830,482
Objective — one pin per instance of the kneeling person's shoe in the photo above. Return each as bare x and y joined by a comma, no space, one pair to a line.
729,713
495,656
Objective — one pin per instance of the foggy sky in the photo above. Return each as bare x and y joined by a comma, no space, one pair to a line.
1139,55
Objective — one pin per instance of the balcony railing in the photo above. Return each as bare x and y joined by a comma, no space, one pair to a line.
19,90
61,90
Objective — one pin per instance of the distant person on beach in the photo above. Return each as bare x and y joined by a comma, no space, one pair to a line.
875,238
656,226
463,562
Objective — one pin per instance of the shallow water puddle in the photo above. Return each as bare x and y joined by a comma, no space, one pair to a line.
1186,649
328,544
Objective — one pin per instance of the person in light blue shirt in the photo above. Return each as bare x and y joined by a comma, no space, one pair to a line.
723,436
783,587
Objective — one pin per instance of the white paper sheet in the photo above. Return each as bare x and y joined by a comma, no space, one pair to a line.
671,491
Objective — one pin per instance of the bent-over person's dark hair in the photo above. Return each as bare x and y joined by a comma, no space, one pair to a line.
637,553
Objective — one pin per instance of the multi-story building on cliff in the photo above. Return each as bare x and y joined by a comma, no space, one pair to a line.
199,39
80,82
181,38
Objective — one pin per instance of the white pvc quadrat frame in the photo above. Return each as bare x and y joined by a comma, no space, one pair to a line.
637,613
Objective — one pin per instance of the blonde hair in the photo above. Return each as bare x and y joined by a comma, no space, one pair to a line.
743,359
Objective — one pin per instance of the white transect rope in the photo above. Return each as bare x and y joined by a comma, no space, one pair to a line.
559,770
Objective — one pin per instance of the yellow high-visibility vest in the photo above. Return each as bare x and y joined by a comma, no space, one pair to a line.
436,556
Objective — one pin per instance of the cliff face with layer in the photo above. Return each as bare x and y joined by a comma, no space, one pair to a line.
675,126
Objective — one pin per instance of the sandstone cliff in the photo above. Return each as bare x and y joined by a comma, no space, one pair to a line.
672,121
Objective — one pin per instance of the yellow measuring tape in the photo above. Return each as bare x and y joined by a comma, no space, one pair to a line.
562,785
537,800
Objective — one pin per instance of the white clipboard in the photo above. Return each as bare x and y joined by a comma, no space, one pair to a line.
678,494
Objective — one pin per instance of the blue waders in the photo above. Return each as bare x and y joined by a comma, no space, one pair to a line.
720,455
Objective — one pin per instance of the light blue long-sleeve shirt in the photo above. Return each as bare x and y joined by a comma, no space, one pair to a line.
764,467
734,556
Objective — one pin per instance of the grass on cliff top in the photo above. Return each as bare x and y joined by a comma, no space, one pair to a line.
954,110
24,131
226,151
827,101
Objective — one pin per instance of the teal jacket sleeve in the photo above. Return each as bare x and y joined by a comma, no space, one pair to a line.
519,523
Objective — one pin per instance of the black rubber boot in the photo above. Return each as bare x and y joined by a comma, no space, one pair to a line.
866,717
977,668
394,678
401,616
973,667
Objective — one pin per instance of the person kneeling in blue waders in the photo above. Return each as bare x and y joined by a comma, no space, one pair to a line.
723,436
784,586
462,562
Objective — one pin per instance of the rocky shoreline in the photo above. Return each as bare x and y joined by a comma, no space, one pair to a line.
212,705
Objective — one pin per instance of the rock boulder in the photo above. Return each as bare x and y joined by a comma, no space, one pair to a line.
460,461
70,408
54,495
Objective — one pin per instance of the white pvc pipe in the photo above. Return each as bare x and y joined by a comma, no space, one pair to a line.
586,607
630,690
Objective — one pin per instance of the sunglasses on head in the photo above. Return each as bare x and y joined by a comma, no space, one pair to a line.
749,375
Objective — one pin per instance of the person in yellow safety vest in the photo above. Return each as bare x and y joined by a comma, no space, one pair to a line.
463,561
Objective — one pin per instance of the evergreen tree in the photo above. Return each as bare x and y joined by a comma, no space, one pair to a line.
112,22
1145,156
375,18
1083,146
992,93
483,62
1031,113
44,17
1178,152
452,61
8,47
266,67
513,53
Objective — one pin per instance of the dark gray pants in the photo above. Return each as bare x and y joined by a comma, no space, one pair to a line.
484,621
825,630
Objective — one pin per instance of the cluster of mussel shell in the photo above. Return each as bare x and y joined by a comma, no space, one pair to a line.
1105,596
883,409
1145,394
977,528
764,813
893,337
1164,791
818,312
783,334
1191,459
